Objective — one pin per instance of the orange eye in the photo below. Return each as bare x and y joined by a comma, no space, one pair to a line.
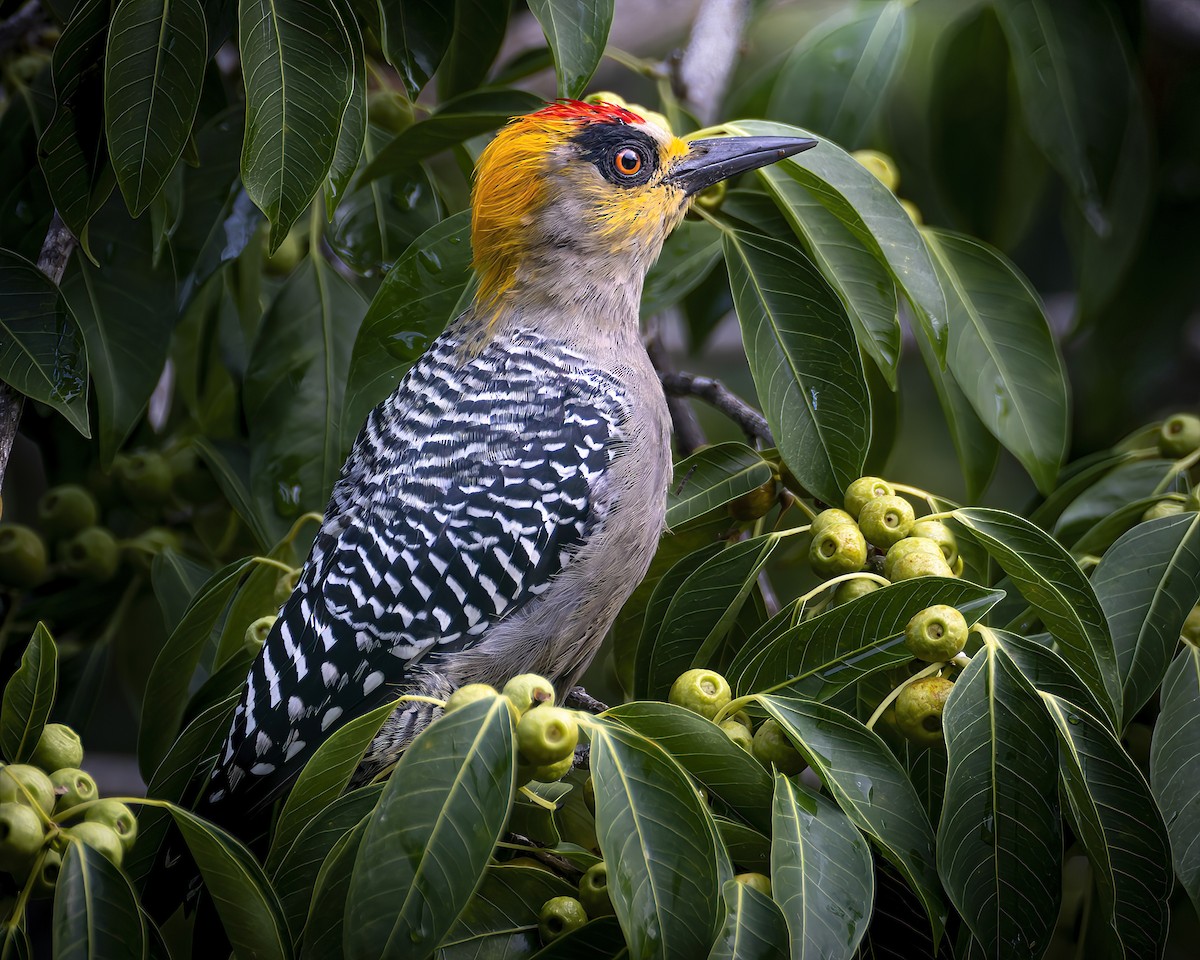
629,161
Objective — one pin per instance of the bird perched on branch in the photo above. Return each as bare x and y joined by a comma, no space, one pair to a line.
502,504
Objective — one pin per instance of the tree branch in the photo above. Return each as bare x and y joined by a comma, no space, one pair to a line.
713,392
707,64
52,261
689,435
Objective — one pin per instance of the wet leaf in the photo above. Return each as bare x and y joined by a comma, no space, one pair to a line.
577,31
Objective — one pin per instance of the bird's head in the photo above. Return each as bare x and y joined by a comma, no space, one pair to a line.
577,197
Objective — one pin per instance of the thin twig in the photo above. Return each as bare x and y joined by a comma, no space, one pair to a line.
704,69
580,699
689,435
28,18
713,392
560,865
56,251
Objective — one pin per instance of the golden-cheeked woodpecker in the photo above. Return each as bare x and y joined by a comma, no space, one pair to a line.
502,504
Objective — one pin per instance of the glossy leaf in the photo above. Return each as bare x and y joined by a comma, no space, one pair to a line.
502,917
294,399
836,78
432,833
479,28
167,685
153,69
415,36
1002,353
577,32
1147,583
352,134
255,598
1046,670
870,786
95,909
822,876
456,120
324,777
666,863
1117,487
688,255
325,928
72,150
1120,826
872,214
701,614
861,282
999,845
805,362
711,478
820,656
412,307
754,926
247,905
598,939
176,580
1051,580
28,697
298,65
1175,765
41,346
704,750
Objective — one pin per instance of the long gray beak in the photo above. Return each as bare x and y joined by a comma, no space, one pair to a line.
709,161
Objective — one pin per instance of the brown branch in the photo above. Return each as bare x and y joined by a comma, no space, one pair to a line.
579,699
713,392
560,865
52,261
28,18
689,435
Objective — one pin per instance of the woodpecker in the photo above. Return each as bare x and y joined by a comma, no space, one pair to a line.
502,504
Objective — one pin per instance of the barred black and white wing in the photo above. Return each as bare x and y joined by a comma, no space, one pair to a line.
466,493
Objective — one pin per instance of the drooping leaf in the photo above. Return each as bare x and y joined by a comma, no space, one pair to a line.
1147,583
1050,579
431,834
1119,486
153,70
294,398
577,32
479,28
502,917
416,34
1175,765
325,926
687,258
1046,670
666,862
999,844
28,697
711,478
411,308
352,134
1120,826
805,362
1002,353
870,786
822,876
41,347
95,909
298,64
754,926
176,579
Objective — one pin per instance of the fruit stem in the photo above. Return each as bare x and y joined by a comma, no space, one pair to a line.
272,562
27,890
1179,466
808,511
310,517
732,707
887,701
917,492
842,578
941,515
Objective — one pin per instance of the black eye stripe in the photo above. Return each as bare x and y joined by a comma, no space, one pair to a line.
602,143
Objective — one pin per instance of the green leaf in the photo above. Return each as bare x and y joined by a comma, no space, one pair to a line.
711,478
352,134
836,79
577,31
323,779
754,926
805,362
95,909
72,150
176,579
479,28
41,347
456,120
1175,765
254,598
325,927
704,750
411,308
167,686
872,789
294,398
298,64
1122,831
1046,671
819,656
1002,353
999,845
1116,489
230,465
245,902
1147,584
822,876
598,939
1050,579
430,837
701,614
666,862
861,281
416,34
153,69
688,255
28,697
502,917
872,214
